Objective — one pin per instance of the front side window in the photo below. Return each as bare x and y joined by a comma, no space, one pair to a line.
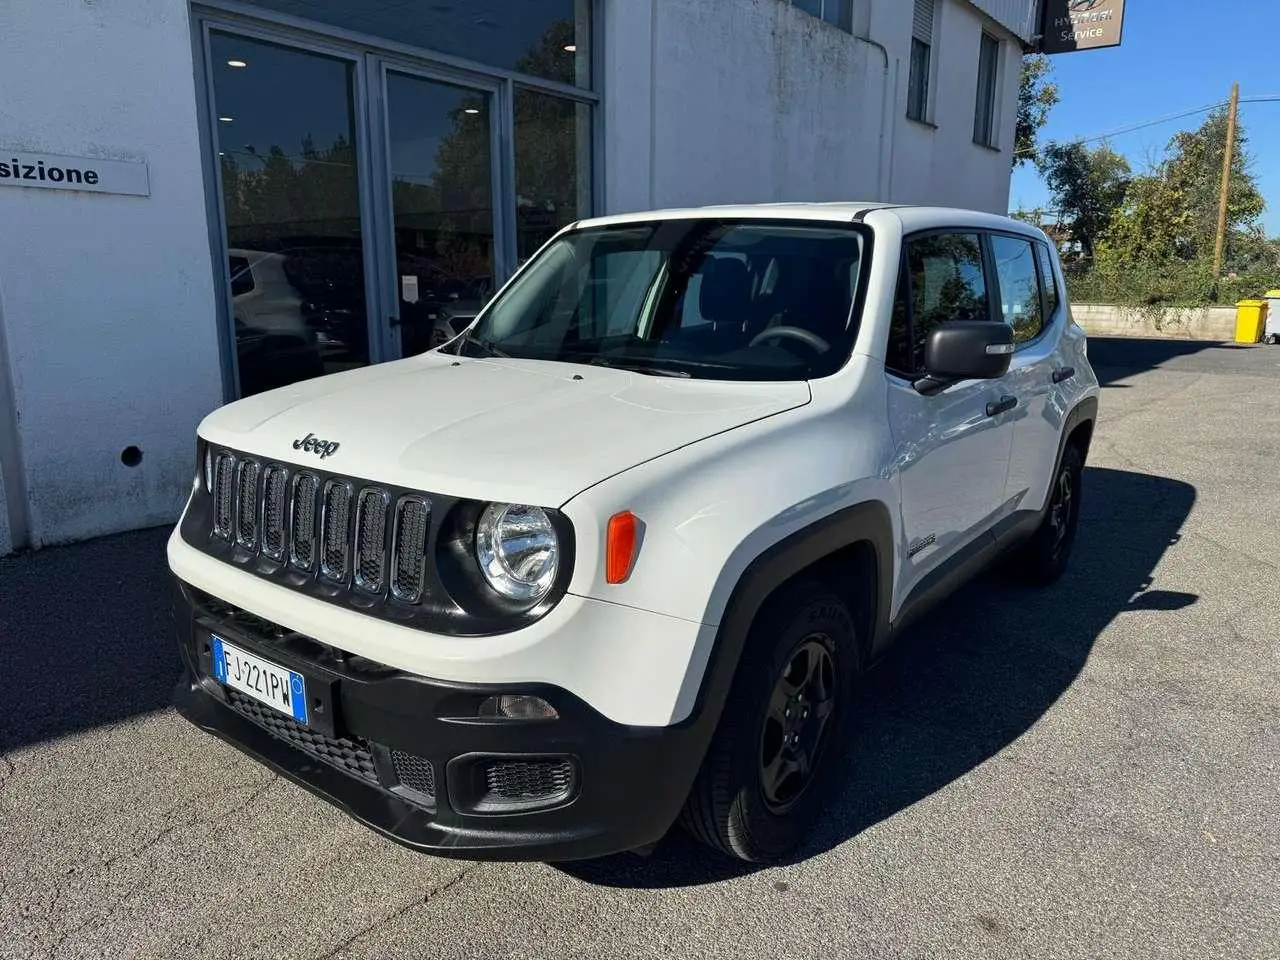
700,297
1019,286
947,283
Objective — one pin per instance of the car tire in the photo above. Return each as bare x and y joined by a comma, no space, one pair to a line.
1044,558
796,680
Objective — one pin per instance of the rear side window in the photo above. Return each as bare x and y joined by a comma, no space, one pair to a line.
1049,279
947,283
1015,262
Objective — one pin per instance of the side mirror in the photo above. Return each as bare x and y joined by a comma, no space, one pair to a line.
965,350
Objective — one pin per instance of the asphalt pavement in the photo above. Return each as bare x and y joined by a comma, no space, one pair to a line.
1087,771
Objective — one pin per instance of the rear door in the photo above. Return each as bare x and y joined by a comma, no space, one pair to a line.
1032,304
951,450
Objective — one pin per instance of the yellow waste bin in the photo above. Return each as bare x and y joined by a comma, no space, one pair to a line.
1250,315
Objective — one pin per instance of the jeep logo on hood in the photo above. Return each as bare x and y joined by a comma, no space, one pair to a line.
309,444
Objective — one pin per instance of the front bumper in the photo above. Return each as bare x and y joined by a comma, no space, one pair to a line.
410,758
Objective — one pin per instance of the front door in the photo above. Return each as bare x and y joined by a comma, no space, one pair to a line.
951,450
440,139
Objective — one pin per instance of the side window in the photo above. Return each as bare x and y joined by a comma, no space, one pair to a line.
1019,286
241,275
1049,279
947,283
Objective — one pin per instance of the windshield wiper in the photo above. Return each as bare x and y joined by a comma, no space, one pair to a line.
487,346
621,364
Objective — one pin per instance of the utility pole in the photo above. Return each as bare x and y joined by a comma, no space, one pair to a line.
1227,157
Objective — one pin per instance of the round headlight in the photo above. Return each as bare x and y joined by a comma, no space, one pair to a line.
517,549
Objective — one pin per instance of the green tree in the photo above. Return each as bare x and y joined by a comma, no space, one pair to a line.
1037,95
1194,171
1150,226
1087,186
1172,213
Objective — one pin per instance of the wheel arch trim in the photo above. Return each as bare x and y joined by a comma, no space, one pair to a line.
868,522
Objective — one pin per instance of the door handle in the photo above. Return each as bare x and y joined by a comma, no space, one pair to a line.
997,407
1063,373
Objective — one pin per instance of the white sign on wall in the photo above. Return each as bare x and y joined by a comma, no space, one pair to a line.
51,172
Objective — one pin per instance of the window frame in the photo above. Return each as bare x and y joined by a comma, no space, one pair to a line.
927,43
1046,321
989,137
904,278
832,18
924,90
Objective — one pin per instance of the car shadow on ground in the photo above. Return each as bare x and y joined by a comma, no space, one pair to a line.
970,679
86,637
1116,358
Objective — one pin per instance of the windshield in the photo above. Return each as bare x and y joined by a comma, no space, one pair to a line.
723,299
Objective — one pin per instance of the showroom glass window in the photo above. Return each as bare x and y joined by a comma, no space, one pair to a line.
368,202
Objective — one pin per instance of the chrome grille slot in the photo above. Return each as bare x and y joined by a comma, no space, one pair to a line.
247,504
409,548
302,521
371,539
275,488
335,531
224,495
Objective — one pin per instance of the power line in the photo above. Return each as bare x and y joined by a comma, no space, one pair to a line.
1142,124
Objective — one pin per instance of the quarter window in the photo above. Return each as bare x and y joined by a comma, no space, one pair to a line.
947,283
1048,278
1019,286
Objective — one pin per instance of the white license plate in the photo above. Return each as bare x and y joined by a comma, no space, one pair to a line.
267,683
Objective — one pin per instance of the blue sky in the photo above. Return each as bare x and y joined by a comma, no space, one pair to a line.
1177,55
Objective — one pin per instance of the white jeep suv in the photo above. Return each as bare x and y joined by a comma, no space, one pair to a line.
615,556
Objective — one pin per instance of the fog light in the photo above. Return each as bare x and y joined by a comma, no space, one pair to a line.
517,706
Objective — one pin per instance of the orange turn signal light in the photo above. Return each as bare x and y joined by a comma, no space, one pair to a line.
620,546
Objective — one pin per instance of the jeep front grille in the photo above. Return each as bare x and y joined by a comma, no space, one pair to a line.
224,496
413,517
275,490
371,536
335,531
302,521
342,531
247,504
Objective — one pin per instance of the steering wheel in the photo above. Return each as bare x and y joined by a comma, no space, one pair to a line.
795,333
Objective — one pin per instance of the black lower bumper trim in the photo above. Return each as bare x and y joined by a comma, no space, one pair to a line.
619,787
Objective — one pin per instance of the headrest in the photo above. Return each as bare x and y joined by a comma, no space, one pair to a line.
725,296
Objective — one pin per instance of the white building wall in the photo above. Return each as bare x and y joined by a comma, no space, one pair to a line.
756,101
107,300
750,101
938,162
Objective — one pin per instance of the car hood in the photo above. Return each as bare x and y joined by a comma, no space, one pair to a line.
522,431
